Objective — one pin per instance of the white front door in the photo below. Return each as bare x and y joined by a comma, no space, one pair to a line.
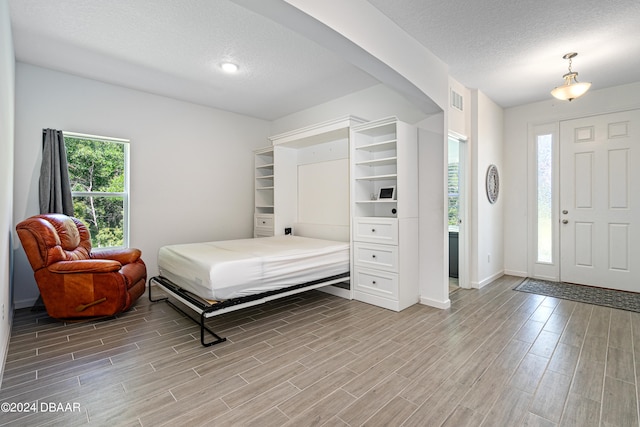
599,201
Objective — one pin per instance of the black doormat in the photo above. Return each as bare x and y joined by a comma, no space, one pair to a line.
622,300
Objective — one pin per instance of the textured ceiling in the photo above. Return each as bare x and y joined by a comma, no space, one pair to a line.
511,50
174,47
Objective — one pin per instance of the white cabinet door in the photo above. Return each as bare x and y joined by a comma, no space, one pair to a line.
599,201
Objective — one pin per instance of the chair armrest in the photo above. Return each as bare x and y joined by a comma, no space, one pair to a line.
122,255
85,266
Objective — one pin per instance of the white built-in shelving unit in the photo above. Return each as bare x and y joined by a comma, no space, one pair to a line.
325,180
264,192
384,155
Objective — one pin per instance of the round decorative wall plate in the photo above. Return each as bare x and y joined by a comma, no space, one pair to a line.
493,183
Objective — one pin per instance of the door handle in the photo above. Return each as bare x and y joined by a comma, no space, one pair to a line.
565,221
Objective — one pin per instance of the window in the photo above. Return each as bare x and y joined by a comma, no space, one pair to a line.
544,186
98,172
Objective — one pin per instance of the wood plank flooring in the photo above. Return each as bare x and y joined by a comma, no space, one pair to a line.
496,358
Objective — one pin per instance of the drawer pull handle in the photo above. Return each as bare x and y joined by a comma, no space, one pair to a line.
373,282
373,230
373,256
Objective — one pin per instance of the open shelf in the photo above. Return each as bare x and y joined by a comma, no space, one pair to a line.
378,146
378,162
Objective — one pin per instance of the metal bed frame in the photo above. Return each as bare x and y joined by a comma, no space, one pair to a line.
207,310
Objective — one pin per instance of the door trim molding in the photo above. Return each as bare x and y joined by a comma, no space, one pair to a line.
464,210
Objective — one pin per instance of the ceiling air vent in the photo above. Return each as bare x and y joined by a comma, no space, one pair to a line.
456,100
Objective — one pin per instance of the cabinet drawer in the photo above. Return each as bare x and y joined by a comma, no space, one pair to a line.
384,257
378,283
264,221
376,230
262,232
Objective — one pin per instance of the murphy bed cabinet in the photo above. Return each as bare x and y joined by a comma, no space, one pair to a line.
384,194
263,198
312,183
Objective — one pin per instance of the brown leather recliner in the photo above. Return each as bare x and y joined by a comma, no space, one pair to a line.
74,281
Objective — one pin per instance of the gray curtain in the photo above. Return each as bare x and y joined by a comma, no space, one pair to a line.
55,189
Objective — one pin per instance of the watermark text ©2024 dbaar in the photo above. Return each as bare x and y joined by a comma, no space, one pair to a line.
37,406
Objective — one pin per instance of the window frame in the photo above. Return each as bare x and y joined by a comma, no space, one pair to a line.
125,195
536,268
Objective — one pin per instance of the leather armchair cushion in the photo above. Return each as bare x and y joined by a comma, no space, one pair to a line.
85,266
48,239
134,272
122,255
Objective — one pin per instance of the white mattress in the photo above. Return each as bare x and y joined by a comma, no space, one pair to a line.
234,268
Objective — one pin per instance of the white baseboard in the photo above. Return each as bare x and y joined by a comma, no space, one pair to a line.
434,303
3,357
516,273
487,280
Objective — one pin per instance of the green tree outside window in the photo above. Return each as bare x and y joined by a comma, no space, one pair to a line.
97,173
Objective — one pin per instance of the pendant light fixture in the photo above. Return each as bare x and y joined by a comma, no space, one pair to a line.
571,89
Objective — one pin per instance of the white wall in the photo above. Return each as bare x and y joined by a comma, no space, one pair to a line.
459,121
364,36
7,92
515,186
370,104
434,236
191,166
371,30
487,243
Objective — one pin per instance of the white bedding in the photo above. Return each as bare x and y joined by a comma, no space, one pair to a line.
234,268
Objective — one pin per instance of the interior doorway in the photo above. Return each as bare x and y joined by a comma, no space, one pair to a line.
457,211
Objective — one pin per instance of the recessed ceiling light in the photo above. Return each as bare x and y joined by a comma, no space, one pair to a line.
229,67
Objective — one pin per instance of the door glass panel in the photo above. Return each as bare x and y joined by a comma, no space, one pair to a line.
544,198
